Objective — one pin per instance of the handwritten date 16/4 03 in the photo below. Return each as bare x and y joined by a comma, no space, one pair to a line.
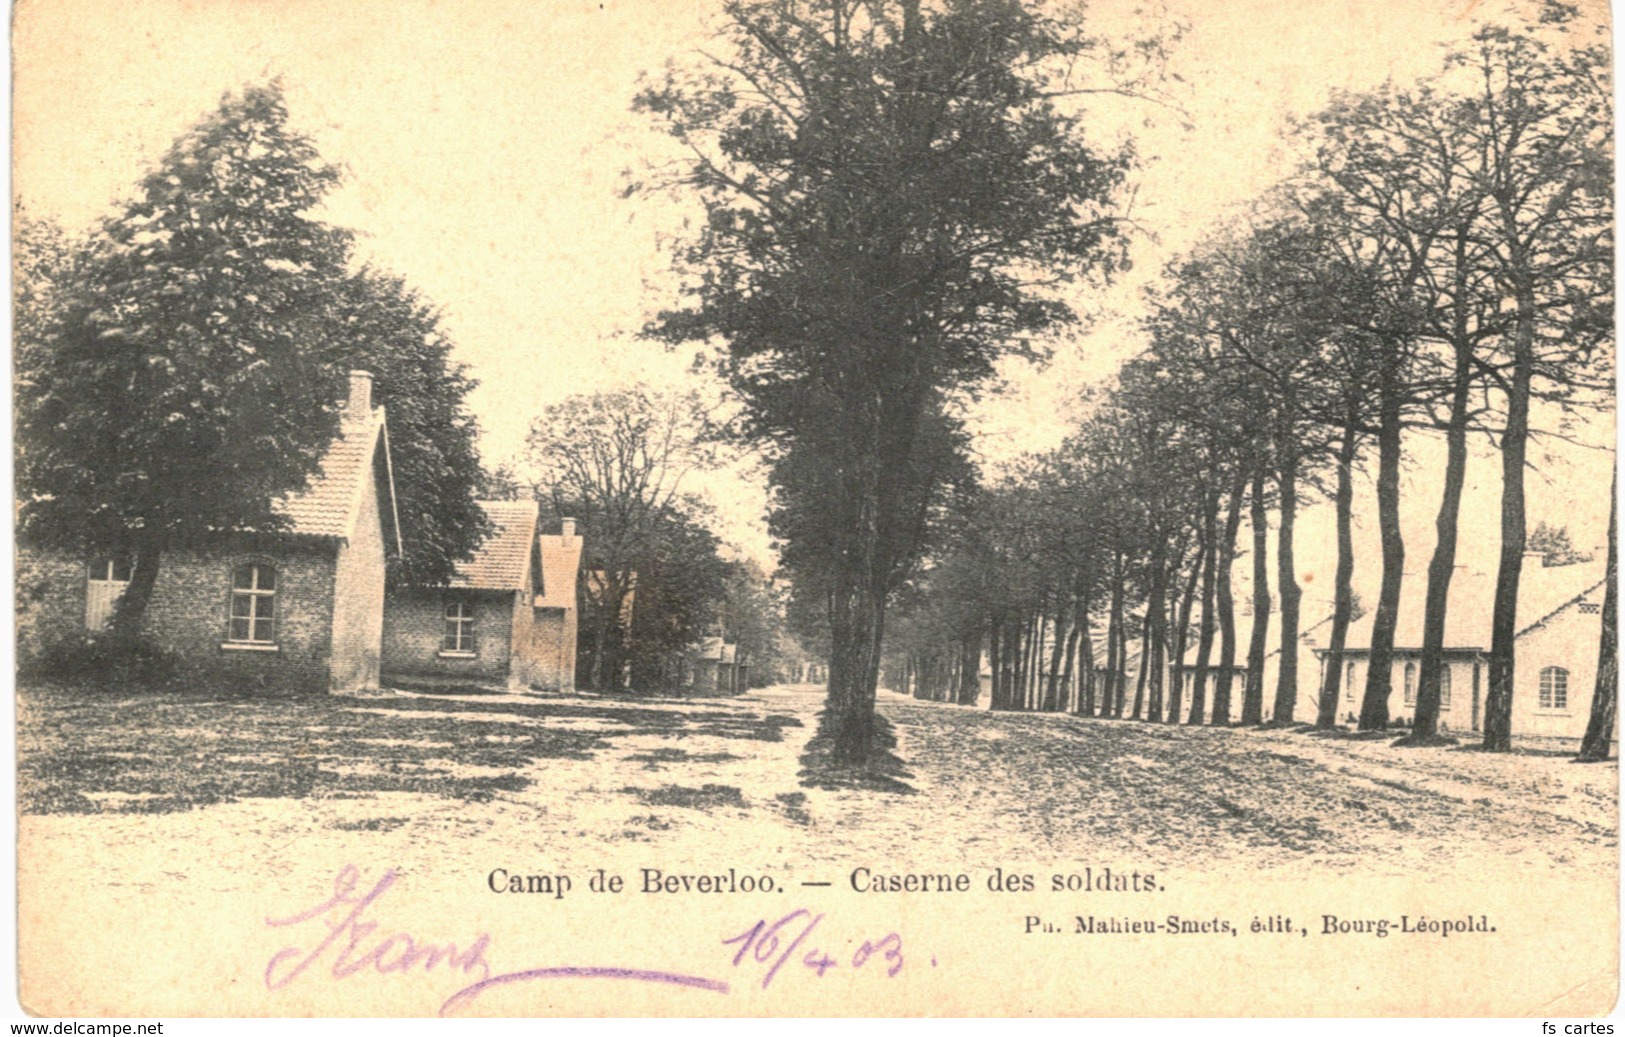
776,943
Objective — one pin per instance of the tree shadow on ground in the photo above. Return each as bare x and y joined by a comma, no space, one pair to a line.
1478,747
164,752
884,771
1343,734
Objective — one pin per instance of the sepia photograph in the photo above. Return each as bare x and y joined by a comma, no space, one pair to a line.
775,508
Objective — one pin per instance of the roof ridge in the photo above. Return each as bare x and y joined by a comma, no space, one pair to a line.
1560,608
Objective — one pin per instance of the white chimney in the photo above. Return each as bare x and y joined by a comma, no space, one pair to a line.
359,405
569,527
1534,559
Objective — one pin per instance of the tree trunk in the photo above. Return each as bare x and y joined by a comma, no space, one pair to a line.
1252,700
1142,672
1379,676
1120,678
1116,644
1035,656
1286,686
130,611
1210,574
1156,617
995,659
1343,592
1052,694
856,628
970,669
1012,655
1514,448
1227,603
1187,599
1425,725
1599,734
1083,701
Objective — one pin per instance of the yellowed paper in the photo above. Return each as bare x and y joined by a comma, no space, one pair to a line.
570,854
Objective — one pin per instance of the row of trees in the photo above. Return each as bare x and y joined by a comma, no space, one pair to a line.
1440,265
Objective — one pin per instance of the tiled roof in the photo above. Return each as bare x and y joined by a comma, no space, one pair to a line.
503,561
1541,592
1544,591
561,560
331,502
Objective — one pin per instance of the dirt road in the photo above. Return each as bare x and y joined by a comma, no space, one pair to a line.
584,779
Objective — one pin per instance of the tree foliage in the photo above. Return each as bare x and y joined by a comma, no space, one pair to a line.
617,461
181,370
891,191
389,329
186,378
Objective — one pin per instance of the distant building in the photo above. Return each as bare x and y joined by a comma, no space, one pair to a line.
508,615
1313,630
715,668
301,609
1559,627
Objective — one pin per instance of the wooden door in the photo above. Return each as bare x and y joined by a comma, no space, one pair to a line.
107,579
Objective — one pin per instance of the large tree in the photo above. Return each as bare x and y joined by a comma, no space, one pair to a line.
890,189
1599,734
1541,150
387,328
186,376
617,462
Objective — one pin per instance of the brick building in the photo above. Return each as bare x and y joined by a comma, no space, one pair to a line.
301,609
509,614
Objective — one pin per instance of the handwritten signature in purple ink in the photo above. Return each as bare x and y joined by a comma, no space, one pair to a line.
762,942
400,952
396,953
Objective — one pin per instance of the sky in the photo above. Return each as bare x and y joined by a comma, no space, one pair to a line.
487,142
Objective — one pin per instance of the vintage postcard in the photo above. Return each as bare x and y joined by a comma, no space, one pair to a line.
901,508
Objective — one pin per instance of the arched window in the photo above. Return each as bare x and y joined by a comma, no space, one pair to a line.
1410,684
1554,688
1444,686
253,605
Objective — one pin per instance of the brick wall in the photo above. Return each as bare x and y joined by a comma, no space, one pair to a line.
523,670
553,647
187,614
415,625
358,600
192,598
50,600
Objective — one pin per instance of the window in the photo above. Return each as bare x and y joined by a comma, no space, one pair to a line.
459,637
1554,688
112,570
1348,684
1410,684
1444,686
253,605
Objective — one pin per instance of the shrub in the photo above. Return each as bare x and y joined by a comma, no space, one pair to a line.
103,657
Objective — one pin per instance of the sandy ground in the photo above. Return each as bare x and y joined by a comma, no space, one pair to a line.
716,781
160,836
